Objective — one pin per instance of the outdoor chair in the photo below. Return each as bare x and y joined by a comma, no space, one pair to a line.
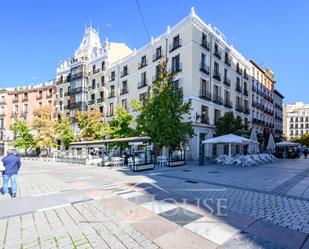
162,160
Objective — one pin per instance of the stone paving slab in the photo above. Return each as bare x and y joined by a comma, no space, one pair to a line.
280,235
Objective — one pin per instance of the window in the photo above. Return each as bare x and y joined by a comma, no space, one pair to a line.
102,80
176,84
25,108
49,102
112,76
143,62
25,96
101,109
60,92
158,54
176,67
124,104
124,88
111,109
217,116
40,94
1,123
124,71
112,91
60,105
143,81
50,92
40,104
94,69
93,84
1,135
216,68
103,65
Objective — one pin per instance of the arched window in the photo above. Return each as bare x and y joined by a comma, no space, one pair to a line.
103,65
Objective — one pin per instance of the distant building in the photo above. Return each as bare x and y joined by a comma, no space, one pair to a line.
278,115
262,102
295,120
19,103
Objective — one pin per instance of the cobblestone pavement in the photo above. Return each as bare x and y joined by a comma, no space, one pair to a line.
72,206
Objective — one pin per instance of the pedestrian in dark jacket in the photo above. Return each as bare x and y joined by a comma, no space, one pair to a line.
11,164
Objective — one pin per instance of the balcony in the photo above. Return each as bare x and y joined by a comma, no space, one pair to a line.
204,119
142,64
25,99
24,112
124,90
39,96
238,88
204,68
246,93
15,113
176,68
253,88
203,94
49,95
111,78
227,81
91,102
77,90
239,70
15,100
76,76
218,54
239,108
111,95
100,100
66,107
228,103
2,113
124,73
142,84
217,76
205,44
246,75
176,44
217,99
246,110
157,56
66,94
228,61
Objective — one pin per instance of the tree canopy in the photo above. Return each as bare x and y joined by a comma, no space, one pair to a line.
64,131
44,126
162,114
303,139
229,124
23,136
91,125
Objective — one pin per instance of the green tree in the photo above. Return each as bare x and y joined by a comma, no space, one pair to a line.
44,127
120,125
303,139
23,137
91,125
64,131
163,111
229,124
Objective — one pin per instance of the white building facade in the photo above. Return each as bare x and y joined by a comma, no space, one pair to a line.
295,120
278,115
213,75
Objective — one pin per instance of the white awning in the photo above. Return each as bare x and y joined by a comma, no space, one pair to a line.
287,144
229,139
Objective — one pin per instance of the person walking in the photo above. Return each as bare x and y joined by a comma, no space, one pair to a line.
306,153
11,164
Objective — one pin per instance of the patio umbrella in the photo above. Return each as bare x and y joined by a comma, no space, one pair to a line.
271,146
229,139
253,147
287,144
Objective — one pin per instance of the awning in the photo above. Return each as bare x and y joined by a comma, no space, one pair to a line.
287,144
230,138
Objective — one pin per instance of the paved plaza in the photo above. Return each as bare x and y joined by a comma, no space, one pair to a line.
62,205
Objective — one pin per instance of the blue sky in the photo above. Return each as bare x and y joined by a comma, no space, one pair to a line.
35,35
